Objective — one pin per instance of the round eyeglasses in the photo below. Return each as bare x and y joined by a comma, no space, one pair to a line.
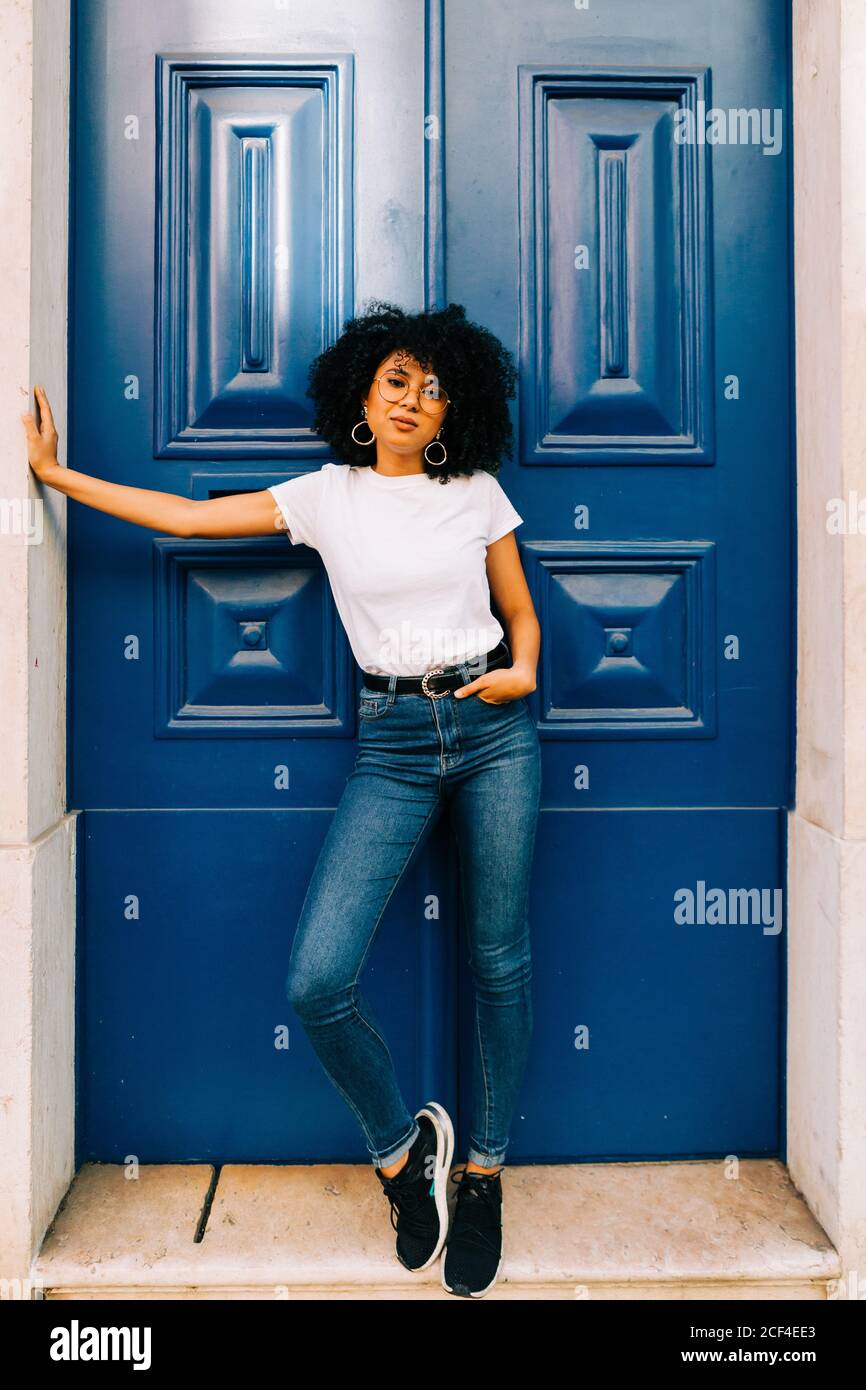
394,385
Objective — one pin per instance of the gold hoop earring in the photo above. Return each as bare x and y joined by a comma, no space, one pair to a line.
437,463
365,421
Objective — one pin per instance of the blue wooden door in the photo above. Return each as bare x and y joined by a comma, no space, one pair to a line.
236,195
235,199
618,184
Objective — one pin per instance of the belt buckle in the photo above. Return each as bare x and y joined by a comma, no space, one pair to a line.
433,694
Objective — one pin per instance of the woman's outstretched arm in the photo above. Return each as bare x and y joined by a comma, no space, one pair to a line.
247,514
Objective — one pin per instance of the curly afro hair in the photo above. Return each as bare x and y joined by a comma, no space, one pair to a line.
471,364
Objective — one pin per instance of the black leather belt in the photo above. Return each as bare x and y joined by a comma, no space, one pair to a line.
441,679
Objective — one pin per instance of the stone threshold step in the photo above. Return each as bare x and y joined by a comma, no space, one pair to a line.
668,1230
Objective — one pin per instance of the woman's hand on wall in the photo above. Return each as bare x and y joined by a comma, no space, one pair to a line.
247,514
41,440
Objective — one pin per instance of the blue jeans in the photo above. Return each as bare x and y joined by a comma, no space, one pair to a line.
415,756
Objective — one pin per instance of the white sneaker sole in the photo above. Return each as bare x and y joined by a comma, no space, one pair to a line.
444,1155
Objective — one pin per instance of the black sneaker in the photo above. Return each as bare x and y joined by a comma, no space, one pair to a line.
473,1258
418,1193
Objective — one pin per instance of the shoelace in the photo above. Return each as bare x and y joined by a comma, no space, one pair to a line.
410,1203
476,1199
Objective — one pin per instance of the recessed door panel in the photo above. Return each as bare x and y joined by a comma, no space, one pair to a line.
615,274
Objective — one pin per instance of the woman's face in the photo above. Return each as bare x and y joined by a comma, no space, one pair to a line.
404,426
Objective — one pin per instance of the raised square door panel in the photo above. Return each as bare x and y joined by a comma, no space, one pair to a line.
628,646
247,642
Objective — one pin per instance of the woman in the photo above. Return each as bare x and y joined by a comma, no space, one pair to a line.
416,535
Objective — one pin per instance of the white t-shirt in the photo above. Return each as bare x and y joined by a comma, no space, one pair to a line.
405,558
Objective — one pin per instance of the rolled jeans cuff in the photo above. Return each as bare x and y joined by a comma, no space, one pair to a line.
486,1160
405,1144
